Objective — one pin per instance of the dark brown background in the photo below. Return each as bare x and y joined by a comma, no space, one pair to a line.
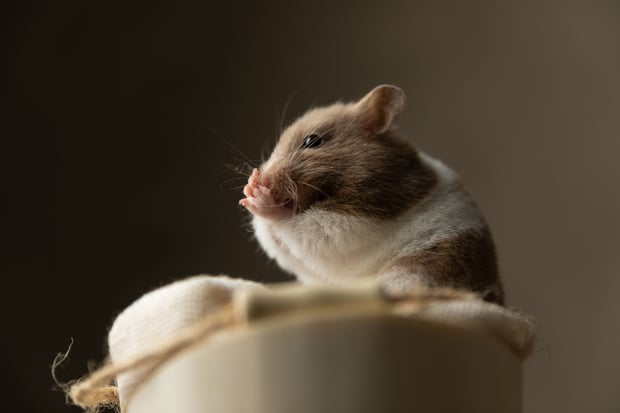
114,181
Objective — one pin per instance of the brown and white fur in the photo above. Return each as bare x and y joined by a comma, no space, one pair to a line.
363,202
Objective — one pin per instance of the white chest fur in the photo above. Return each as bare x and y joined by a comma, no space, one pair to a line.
325,246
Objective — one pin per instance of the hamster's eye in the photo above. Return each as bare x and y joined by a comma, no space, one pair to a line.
311,141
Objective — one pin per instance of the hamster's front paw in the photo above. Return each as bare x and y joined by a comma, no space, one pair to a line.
259,199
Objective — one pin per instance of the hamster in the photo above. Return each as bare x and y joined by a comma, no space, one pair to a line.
344,196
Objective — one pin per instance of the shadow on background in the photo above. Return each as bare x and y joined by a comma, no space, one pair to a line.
122,120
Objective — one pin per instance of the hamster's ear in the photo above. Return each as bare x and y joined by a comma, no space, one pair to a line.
379,108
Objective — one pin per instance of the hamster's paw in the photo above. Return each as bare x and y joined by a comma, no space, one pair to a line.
259,200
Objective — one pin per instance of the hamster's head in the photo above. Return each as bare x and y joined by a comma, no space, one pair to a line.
347,157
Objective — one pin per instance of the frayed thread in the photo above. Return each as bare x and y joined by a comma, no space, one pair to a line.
105,397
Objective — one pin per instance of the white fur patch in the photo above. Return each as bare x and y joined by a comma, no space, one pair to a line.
325,246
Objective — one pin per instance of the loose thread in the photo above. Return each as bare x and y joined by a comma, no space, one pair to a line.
59,360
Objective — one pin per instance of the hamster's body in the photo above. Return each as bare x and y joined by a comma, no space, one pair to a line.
344,197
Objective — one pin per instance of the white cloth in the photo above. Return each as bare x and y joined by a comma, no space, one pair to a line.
155,317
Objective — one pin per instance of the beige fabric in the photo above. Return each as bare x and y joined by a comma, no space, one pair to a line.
515,329
156,317
162,318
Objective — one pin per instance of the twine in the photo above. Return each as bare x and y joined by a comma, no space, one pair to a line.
95,391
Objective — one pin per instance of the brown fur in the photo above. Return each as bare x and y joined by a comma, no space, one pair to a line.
353,171
465,261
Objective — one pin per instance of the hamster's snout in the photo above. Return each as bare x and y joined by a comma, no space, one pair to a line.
263,197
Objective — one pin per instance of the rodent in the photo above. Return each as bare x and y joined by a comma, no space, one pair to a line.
344,196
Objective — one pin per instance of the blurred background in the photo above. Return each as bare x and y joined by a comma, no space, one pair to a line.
121,121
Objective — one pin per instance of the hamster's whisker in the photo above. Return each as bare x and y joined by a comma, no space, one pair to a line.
231,146
237,182
264,155
313,187
232,188
242,168
235,178
290,188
